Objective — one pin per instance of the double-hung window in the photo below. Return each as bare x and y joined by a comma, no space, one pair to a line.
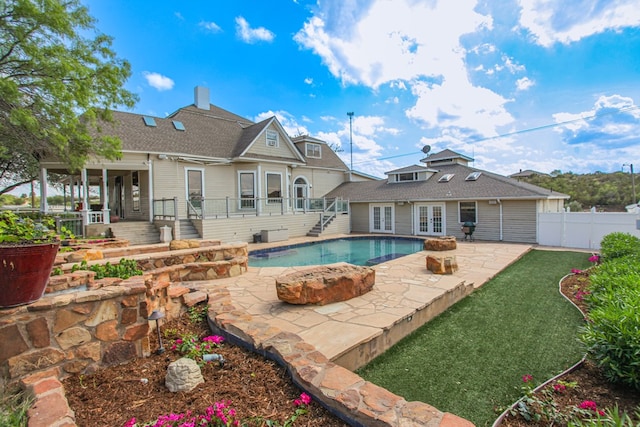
313,150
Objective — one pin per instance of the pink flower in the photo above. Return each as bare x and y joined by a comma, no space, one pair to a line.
216,339
594,258
130,423
306,399
527,378
589,405
576,271
559,388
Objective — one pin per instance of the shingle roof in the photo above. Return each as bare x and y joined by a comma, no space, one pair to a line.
215,133
487,186
445,154
329,157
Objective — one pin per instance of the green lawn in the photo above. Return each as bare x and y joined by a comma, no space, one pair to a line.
470,360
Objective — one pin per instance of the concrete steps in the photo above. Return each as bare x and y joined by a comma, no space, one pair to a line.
316,231
187,230
136,232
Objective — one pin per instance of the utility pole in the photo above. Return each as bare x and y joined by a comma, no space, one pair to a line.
350,114
633,181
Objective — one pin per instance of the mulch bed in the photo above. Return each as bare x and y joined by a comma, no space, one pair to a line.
255,387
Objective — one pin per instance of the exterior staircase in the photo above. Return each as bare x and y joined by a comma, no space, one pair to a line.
187,230
136,232
321,225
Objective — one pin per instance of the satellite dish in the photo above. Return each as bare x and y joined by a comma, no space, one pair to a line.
426,149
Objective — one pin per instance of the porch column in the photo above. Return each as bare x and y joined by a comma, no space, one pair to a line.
72,192
85,198
259,190
106,216
44,206
150,169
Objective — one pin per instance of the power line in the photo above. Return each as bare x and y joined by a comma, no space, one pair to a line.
518,132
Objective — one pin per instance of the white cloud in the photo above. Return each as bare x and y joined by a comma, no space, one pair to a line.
392,42
252,35
287,120
614,122
524,83
211,26
158,81
568,21
308,81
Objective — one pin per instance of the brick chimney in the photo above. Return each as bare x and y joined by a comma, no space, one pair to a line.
201,95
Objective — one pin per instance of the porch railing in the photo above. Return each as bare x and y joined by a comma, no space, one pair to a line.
211,208
165,208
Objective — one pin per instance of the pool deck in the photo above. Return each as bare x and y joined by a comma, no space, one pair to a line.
405,296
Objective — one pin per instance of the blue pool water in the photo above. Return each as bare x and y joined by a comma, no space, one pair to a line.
356,250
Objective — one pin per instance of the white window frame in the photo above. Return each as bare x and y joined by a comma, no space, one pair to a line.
240,199
272,135
314,147
186,180
266,186
383,207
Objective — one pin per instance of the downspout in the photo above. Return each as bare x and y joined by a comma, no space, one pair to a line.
500,203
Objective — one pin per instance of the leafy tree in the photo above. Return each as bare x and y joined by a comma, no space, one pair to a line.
58,79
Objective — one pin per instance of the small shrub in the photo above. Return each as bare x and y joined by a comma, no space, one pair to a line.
124,269
611,333
616,245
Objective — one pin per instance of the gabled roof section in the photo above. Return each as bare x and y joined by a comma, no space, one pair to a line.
329,157
487,186
253,132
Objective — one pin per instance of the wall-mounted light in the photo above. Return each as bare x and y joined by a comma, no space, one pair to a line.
163,156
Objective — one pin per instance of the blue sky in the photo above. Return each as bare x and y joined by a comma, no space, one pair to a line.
516,84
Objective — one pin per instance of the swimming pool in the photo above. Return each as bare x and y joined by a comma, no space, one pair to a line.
354,250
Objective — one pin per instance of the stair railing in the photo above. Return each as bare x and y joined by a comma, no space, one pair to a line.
330,212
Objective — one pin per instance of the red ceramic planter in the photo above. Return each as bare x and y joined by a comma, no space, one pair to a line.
24,272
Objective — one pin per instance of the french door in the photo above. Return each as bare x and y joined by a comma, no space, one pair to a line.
430,219
381,218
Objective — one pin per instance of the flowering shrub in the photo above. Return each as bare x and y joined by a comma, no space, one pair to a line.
221,414
543,407
192,347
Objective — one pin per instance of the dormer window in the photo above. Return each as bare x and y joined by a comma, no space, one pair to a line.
272,138
313,150
411,176
473,176
446,177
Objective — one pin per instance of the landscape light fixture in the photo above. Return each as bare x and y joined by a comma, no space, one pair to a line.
350,114
157,315
633,181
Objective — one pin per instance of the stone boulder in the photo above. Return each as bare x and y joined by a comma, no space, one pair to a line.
442,265
325,284
85,255
446,243
184,244
183,375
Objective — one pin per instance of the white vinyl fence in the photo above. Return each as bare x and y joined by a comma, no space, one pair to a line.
583,230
